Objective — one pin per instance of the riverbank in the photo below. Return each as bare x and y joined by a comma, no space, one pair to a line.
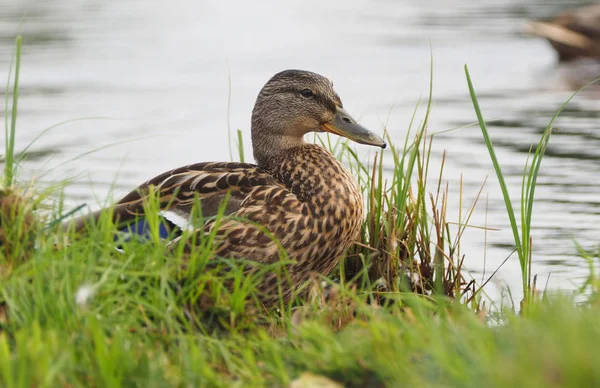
402,309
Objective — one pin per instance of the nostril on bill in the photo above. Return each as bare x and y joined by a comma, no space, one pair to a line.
346,120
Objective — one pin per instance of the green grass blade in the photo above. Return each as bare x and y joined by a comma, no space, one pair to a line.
503,186
240,145
9,167
541,149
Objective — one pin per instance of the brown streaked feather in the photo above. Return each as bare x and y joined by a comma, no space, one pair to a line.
177,189
314,214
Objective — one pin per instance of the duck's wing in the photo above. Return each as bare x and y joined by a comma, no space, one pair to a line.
270,216
176,190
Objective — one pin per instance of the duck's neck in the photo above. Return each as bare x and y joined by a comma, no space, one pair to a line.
272,135
315,176
270,151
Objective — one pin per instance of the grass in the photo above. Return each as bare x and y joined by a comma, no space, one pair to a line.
522,238
9,131
400,310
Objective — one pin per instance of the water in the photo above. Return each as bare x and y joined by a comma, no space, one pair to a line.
158,73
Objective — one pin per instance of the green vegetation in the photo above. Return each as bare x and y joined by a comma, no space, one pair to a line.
399,311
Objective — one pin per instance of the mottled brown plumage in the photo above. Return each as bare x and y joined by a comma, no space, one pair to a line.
297,197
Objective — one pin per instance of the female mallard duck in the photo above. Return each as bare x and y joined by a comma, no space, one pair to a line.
573,33
298,192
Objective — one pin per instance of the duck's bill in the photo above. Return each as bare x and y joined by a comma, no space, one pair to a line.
344,125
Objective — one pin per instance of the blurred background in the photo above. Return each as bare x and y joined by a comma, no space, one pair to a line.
153,80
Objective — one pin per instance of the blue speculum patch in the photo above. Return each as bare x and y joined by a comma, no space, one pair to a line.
141,229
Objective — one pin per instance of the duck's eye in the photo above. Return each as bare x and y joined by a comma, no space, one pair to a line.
307,93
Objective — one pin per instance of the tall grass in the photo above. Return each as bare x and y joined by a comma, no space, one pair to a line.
522,235
408,246
10,131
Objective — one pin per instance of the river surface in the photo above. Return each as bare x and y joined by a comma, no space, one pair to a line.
152,79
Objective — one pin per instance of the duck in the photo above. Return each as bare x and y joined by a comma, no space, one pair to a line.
574,34
296,202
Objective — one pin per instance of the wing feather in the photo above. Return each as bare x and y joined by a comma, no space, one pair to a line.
177,190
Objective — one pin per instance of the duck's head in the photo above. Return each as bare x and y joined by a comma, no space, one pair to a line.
294,103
